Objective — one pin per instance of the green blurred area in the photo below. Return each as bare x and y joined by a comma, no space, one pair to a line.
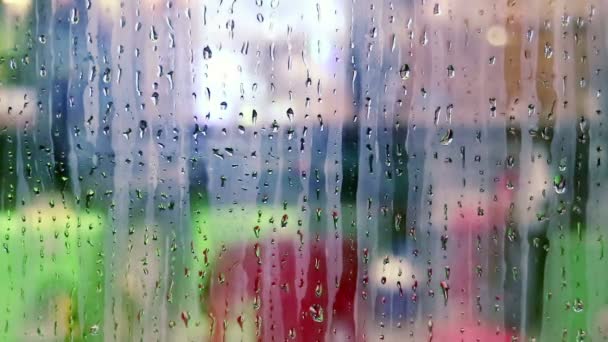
54,277
575,299
16,49
54,260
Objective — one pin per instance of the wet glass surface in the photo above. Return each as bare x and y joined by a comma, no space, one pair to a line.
337,170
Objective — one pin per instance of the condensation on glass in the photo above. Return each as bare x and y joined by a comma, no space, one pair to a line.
336,170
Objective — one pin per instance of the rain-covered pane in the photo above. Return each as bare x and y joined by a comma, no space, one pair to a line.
306,170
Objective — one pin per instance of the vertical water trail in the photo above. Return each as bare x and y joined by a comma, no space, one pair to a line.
512,72
423,35
181,78
75,112
398,272
413,69
90,94
595,216
368,97
581,36
352,139
49,74
118,279
560,152
303,155
477,179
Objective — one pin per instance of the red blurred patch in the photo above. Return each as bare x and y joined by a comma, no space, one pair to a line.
287,284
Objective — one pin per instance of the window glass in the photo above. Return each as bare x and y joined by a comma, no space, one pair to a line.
336,170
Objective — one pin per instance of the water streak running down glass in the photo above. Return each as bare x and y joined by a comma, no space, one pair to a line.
314,170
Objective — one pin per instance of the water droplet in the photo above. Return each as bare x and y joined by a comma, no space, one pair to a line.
74,16
404,72
290,114
107,75
447,138
563,164
154,98
153,34
451,71
207,54
316,312
559,184
94,329
143,125
436,9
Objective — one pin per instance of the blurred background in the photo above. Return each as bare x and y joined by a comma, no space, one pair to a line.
275,170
